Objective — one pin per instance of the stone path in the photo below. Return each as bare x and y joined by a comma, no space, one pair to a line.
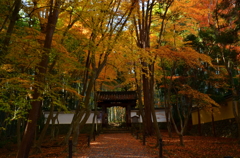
117,145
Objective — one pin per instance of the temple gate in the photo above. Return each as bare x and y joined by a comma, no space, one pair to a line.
125,99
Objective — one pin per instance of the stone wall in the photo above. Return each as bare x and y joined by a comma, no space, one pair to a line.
224,128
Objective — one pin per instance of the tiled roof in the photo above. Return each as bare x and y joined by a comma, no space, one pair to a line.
119,95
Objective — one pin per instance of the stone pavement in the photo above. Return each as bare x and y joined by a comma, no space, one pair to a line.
115,145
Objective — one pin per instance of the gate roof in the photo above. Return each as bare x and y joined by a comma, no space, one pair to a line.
117,98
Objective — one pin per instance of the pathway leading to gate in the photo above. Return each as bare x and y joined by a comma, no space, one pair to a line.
115,145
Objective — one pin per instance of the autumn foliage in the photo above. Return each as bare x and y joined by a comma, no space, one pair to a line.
176,54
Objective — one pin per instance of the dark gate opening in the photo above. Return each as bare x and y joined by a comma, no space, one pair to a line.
126,99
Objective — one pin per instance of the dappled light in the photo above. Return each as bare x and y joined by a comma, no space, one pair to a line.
96,143
116,145
126,145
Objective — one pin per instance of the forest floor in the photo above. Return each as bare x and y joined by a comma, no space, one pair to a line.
126,145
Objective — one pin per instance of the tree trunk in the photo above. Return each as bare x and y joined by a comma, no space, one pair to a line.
84,120
30,129
77,129
142,28
38,143
147,101
75,135
199,123
213,125
19,133
139,94
11,25
168,105
7,17
169,125
86,104
93,125
167,114
93,129
53,126
75,122
27,141
155,123
181,139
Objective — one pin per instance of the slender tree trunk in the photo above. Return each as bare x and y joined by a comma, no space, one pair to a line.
183,117
87,114
168,103
199,123
95,112
19,133
213,125
11,25
53,126
93,125
169,125
179,132
155,123
38,143
183,129
75,138
28,137
30,129
168,120
139,94
7,16
181,139
75,122
77,129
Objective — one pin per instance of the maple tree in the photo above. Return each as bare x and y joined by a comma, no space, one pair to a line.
178,97
40,70
219,39
143,27
177,62
142,22
104,31
36,65
168,15
104,28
